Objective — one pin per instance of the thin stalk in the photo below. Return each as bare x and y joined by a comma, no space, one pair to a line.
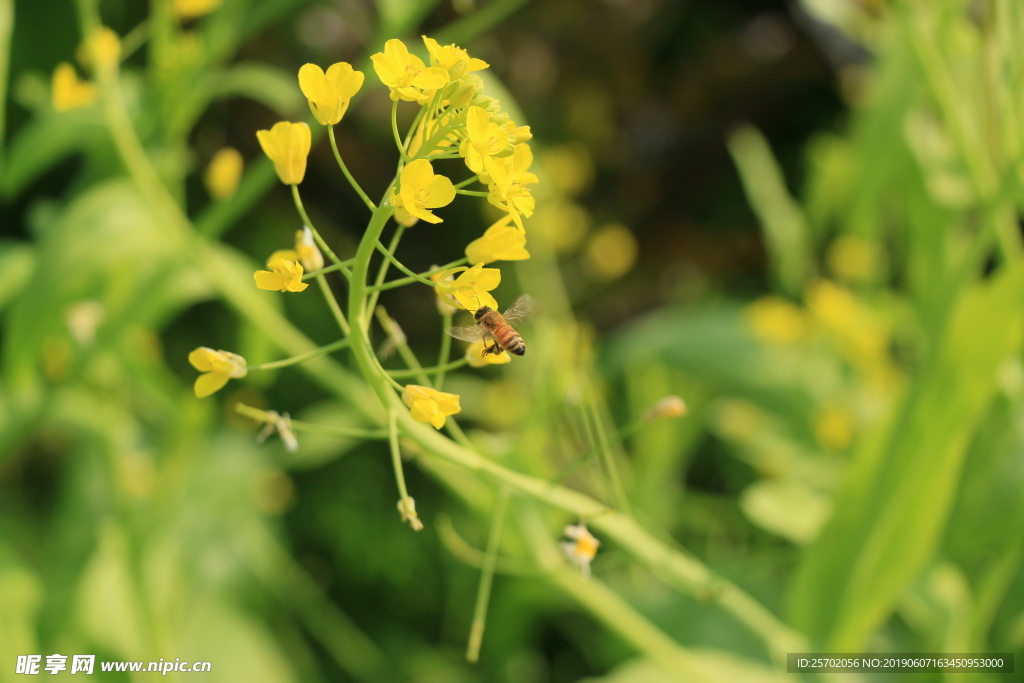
472,193
401,345
267,416
394,130
454,365
467,181
483,593
446,351
460,436
398,264
327,348
344,169
406,505
316,235
379,287
329,269
383,270
412,129
609,459
134,39
332,303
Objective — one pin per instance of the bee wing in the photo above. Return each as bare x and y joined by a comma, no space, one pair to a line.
521,309
470,333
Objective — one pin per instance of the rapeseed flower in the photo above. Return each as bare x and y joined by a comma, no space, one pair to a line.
611,252
775,320
67,91
452,58
217,368
224,173
421,191
514,197
472,288
483,142
476,358
329,94
101,49
406,74
305,252
191,9
284,276
430,405
501,242
287,144
581,548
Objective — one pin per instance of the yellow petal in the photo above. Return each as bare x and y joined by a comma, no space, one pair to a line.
440,192
313,83
224,173
208,383
487,300
202,358
477,120
431,79
347,80
283,254
417,175
267,280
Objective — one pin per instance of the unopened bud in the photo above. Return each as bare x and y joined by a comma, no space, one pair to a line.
458,69
407,509
501,118
461,98
668,407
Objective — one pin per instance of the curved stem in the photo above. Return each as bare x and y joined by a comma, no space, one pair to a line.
344,169
332,303
316,235
380,287
329,269
398,264
454,365
467,181
268,416
394,130
340,344
446,351
483,594
384,264
472,193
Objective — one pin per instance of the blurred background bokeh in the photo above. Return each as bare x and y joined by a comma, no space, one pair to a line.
801,217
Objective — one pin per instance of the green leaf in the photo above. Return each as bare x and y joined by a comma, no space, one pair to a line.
901,485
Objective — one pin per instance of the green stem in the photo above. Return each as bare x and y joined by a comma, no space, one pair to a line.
134,39
329,269
609,458
483,593
394,130
398,264
384,264
405,503
467,181
316,235
446,351
472,193
401,345
454,365
344,169
267,416
409,280
332,303
340,344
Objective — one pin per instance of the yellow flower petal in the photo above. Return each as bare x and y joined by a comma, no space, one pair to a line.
208,383
201,358
224,173
268,280
287,144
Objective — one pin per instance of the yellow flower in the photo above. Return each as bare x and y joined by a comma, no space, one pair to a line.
190,9
452,58
476,358
421,191
429,405
330,93
484,140
68,91
834,427
305,252
667,408
406,74
514,197
471,288
581,548
501,242
611,252
774,320
224,173
445,303
287,144
284,275
101,49
217,368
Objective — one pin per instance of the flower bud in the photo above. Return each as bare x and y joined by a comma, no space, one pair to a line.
458,69
461,98
668,407
501,118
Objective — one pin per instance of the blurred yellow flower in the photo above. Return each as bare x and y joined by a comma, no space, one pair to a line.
445,303
452,58
483,141
287,144
421,191
514,197
406,74
518,134
611,252
854,258
471,288
190,9
284,276
429,405
67,91
581,548
668,407
501,242
833,305
329,94
305,252
217,368
834,427
775,320
101,49
476,359
224,173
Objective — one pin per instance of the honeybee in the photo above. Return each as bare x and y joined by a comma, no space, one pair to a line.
497,329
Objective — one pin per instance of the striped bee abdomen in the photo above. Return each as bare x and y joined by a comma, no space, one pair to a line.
509,339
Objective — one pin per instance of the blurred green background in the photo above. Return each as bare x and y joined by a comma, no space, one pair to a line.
801,217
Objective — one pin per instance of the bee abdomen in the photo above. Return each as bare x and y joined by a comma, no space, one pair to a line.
510,340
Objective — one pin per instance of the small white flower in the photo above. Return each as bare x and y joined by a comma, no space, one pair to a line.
282,424
582,547
407,508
